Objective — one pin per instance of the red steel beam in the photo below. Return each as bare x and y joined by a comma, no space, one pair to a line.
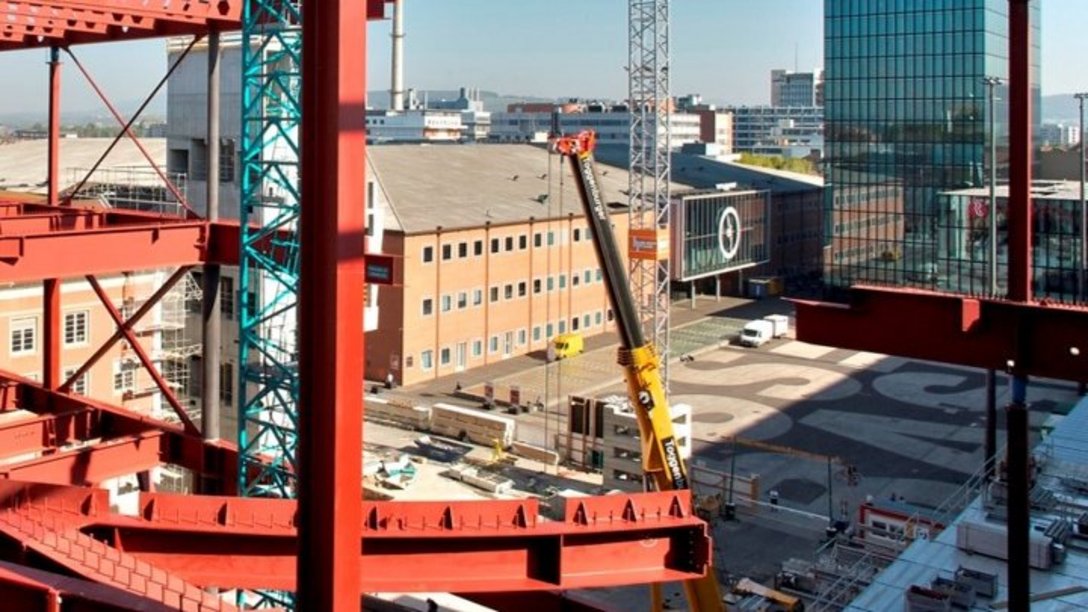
1037,339
41,433
62,16
91,465
66,254
218,459
27,589
332,277
488,546
188,11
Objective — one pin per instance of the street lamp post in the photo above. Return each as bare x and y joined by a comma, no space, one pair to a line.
1081,97
991,376
991,83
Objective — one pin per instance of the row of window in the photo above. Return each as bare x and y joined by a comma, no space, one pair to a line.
506,341
461,300
506,244
24,332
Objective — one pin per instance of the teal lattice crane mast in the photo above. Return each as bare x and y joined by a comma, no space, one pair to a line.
271,115
268,374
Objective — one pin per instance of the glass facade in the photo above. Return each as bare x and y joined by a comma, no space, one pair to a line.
963,243
907,118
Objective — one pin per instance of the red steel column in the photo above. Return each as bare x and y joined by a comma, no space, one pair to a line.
1019,221
51,377
54,127
330,322
1019,205
51,324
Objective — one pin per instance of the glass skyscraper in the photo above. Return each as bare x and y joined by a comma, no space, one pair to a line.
907,120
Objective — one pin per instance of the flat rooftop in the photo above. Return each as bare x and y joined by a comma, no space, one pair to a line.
24,163
461,186
1040,190
1064,456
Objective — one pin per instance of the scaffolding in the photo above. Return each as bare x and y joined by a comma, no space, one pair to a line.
130,188
171,343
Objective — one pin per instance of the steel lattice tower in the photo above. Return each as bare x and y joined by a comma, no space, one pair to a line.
268,376
649,196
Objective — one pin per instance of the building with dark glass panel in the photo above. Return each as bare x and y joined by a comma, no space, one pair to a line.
907,118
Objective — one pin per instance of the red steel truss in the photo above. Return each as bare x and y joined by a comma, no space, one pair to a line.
60,546
487,546
40,23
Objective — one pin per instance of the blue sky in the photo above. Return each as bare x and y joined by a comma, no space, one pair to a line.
723,49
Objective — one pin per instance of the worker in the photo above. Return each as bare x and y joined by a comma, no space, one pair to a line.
389,380
774,497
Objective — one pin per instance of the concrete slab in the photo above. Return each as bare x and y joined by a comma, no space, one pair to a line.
876,362
804,350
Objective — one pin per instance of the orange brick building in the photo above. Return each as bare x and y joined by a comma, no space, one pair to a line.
117,378
497,258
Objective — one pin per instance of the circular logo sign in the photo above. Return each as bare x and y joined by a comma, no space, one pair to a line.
729,233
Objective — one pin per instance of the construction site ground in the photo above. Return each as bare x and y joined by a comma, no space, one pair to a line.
891,426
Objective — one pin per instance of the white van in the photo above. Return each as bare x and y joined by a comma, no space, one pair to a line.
755,333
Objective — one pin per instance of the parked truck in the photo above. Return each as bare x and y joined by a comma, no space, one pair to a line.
780,325
756,333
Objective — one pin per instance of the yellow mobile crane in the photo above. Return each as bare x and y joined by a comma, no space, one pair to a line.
661,460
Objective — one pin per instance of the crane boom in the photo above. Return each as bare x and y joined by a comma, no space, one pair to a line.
661,458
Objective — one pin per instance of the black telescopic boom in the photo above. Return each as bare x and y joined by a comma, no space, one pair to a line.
608,252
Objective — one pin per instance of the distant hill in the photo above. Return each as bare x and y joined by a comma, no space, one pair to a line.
493,101
156,111
1061,107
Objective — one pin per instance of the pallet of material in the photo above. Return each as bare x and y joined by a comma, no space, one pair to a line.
470,424
535,453
397,412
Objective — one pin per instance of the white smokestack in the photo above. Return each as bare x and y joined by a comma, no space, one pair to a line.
396,92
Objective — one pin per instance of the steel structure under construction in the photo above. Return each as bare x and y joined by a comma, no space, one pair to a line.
179,550
65,548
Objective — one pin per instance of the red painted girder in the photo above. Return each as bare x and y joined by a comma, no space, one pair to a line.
189,11
41,23
537,601
1037,338
43,13
487,546
91,465
41,433
217,459
52,28
69,253
27,589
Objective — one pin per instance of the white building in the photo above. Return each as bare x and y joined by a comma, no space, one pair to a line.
791,131
1058,135
476,121
533,123
414,125
789,88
